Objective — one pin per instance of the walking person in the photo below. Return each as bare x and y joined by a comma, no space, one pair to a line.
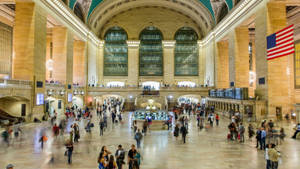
137,160
242,132
120,156
5,136
217,119
138,137
176,131
112,163
101,126
76,132
145,126
258,137
43,139
70,148
250,132
268,162
274,156
184,133
263,139
130,156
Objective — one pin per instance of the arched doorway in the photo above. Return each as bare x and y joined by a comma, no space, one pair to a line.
14,109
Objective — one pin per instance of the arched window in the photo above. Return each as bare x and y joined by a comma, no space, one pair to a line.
151,53
186,52
116,52
78,12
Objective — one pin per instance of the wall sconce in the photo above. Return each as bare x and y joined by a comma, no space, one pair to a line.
50,92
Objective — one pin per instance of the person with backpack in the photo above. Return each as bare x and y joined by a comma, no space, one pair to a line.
120,156
138,137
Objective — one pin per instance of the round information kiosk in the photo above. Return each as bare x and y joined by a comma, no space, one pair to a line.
156,118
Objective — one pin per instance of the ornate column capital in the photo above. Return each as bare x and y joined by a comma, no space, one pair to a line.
169,43
133,43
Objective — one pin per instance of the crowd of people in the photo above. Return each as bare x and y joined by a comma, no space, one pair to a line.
77,120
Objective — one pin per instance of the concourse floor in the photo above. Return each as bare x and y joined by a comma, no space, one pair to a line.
206,149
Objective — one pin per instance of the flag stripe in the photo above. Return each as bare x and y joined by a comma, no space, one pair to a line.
285,29
284,32
291,39
280,46
290,34
281,50
291,52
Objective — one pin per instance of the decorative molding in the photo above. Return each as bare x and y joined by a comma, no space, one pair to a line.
62,13
234,17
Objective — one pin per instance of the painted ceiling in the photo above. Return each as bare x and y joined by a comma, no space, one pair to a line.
213,6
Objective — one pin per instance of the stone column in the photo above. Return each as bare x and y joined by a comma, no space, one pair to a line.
168,51
133,62
279,69
101,63
242,57
62,47
63,42
201,64
239,57
277,72
79,64
93,57
222,65
30,32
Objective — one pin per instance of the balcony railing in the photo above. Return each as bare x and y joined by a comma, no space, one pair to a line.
4,83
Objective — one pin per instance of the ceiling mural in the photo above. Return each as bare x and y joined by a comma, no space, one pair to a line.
213,6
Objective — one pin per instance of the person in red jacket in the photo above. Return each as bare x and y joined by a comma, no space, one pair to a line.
217,119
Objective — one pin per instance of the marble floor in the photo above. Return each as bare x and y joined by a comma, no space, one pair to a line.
206,149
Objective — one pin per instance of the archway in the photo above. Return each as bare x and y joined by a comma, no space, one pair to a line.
14,109
54,106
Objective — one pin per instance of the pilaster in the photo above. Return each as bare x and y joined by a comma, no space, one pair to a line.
133,62
168,53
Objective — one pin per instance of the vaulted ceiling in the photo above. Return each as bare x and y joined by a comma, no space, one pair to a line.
205,13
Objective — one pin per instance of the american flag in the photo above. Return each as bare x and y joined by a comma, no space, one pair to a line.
281,43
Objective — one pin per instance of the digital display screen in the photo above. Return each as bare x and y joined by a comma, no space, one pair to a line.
39,99
70,97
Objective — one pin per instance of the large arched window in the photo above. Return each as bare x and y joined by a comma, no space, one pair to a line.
151,53
116,52
186,52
